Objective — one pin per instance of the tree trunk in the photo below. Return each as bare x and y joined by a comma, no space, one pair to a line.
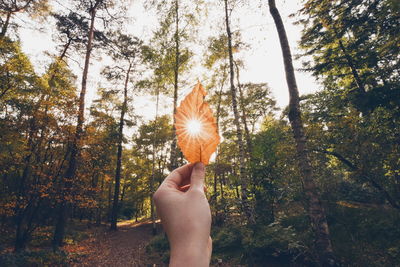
25,225
360,84
12,8
115,207
217,121
221,186
100,203
21,213
20,237
315,210
109,202
152,211
244,115
5,25
66,181
174,148
217,151
242,168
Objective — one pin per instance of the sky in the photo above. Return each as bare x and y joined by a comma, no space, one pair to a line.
263,60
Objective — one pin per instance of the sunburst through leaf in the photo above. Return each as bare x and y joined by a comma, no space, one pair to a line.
196,128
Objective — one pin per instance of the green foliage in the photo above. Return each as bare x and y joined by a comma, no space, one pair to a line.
158,248
354,49
365,234
259,245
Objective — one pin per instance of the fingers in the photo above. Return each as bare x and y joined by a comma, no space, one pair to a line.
179,177
197,177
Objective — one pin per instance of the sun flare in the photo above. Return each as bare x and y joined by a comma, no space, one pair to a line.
193,126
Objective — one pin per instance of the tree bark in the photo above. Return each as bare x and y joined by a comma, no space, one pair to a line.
66,181
316,212
174,148
242,167
115,207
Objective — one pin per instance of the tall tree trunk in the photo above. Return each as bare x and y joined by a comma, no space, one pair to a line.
244,115
174,149
66,181
315,209
21,213
115,207
242,167
100,203
215,193
153,169
217,121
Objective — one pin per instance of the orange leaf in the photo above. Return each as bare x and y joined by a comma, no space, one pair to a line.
195,127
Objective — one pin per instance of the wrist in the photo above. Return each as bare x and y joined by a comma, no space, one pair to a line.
195,254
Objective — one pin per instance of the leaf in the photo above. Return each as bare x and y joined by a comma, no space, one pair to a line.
196,128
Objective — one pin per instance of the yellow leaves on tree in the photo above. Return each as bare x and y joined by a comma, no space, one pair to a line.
196,128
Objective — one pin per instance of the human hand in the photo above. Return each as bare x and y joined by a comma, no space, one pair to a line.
186,216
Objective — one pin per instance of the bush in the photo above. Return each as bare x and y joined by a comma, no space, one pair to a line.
258,245
158,247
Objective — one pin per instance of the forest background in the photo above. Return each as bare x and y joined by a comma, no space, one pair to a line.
87,93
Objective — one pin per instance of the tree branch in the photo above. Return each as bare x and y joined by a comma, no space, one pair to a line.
369,179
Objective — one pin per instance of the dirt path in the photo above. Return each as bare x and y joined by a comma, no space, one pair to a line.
126,247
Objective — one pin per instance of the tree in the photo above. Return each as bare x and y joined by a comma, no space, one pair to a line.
355,55
353,46
364,151
315,209
74,148
272,154
174,55
14,69
126,51
153,143
35,107
11,7
242,164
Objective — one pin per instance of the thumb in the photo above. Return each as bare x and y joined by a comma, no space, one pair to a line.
197,177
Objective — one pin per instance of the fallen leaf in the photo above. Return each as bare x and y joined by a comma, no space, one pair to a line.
196,128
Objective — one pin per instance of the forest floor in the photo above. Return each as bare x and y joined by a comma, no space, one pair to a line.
86,245
125,247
